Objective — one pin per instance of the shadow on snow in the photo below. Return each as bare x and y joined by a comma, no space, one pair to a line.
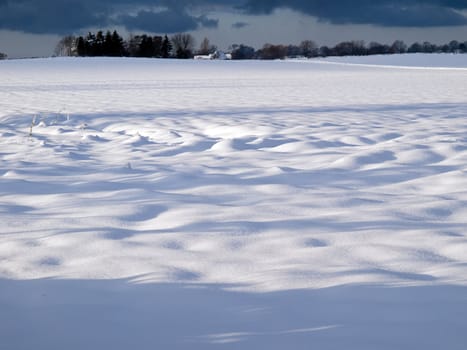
123,314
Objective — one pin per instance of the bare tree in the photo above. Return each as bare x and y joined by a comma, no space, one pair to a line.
183,44
398,46
66,46
350,48
454,46
206,48
415,47
375,48
272,52
309,48
428,47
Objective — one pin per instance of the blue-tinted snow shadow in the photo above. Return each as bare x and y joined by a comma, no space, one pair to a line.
119,314
425,110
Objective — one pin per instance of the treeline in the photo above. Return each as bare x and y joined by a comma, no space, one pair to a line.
309,49
183,46
3,56
113,45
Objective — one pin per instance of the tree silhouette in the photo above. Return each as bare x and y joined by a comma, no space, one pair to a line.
183,45
308,48
80,47
272,52
166,47
117,47
206,48
242,52
66,46
398,46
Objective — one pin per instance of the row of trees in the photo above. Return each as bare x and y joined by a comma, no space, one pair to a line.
309,49
183,46
3,56
112,44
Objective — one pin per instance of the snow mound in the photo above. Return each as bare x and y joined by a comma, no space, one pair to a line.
255,205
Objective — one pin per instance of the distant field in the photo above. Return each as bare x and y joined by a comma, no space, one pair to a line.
417,60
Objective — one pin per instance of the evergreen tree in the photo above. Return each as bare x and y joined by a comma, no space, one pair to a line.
89,45
107,44
117,47
81,47
157,43
113,45
146,47
166,47
99,44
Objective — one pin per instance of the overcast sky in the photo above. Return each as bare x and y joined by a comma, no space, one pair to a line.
33,27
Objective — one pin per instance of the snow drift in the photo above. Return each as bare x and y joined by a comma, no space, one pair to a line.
193,204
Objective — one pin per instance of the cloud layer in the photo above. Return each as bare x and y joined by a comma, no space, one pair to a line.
390,13
165,16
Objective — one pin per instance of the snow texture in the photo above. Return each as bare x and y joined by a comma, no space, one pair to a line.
159,204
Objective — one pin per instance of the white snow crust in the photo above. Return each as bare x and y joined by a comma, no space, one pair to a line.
233,205
412,60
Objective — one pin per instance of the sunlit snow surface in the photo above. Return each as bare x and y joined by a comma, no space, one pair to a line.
234,205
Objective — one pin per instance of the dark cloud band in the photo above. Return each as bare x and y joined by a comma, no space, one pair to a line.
240,25
67,16
390,13
169,16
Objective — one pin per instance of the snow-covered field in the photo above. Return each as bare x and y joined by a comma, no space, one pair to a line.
417,60
158,204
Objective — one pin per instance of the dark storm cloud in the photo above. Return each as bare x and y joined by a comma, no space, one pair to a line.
65,16
167,21
208,22
391,13
164,21
51,16
239,25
